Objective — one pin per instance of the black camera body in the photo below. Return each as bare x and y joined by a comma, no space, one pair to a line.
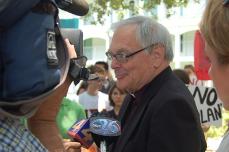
77,71
75,37
77,68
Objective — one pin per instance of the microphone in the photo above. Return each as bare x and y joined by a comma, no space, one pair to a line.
77,7
104,130
99,129
80,132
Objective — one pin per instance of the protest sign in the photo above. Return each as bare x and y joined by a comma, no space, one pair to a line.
208,104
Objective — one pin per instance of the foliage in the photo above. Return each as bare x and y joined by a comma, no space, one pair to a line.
102,8
215,132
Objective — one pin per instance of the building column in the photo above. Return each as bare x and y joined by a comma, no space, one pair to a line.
177,48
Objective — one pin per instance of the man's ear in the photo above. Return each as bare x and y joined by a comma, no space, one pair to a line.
157,56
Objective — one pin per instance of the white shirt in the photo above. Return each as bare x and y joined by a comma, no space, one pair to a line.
98,102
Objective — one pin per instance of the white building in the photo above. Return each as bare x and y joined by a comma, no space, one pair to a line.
182,25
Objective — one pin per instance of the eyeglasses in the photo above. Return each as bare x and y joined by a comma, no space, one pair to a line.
122,57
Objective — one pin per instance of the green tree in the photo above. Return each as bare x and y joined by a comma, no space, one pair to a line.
102,8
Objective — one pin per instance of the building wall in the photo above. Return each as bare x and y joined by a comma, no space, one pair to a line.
182,26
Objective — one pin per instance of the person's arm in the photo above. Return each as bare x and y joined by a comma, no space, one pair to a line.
43,123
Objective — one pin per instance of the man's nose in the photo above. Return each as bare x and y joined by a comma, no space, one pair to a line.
114,63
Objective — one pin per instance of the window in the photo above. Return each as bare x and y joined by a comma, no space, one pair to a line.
187,44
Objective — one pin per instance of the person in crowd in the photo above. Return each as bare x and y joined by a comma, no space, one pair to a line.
192,75
159,113
75,90
116,98
94,100
82,88
15,136
182,75
108,83
43,123
214,29
70,112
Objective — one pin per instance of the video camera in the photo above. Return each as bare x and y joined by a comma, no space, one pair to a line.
77,7
77,65
38,62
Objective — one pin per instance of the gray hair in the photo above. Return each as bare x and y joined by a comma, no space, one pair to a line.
149,32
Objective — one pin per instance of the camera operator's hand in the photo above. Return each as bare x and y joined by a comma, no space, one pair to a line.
70,146
43,123
71,49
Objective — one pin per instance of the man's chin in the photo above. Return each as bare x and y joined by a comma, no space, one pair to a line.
121,85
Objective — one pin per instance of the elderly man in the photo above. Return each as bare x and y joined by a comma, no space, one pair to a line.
159,114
